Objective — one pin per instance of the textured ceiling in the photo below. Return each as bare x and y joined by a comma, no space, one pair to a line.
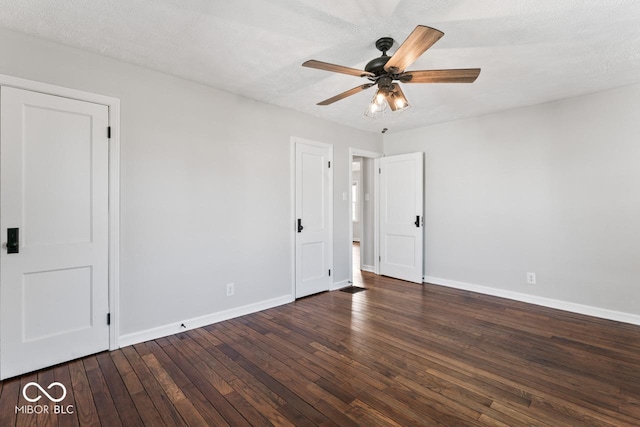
530,51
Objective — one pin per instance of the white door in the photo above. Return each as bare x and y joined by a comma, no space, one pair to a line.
54,193
401,220
314,225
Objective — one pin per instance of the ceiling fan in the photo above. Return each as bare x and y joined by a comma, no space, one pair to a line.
385,71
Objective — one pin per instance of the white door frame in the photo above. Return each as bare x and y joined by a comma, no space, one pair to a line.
114,183
292,218
376,244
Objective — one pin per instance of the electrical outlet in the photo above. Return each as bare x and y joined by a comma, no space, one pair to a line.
531,278
230,289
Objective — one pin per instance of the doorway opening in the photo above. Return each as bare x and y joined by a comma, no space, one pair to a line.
357,279
363,215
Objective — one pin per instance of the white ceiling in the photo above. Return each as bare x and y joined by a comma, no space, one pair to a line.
530,51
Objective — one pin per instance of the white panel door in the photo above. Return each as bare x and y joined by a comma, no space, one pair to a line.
401,221
54,190
314,230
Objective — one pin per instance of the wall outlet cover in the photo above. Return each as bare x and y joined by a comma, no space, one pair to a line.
531,278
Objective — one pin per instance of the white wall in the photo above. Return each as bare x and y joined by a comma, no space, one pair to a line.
551,189
205,184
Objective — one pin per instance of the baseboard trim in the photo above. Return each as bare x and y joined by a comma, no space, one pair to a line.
339,285
198,322
369,268
572,307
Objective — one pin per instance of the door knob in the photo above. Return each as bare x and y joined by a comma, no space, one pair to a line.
417,223
300,227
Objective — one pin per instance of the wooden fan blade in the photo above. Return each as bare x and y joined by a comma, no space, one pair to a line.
463,75
345,94
420,39
312,63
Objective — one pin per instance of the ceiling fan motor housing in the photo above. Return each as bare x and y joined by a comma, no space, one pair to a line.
376,66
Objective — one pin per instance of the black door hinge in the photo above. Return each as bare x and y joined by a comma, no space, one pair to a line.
329,273
329,164
108,318
379,170
109,132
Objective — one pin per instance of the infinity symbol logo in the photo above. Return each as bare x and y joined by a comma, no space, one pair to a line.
43,391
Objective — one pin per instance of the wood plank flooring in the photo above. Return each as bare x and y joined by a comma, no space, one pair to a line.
397,354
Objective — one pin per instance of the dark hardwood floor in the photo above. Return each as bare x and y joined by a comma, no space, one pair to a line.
396,354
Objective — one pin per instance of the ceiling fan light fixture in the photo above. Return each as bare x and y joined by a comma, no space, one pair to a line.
396,99
377,107
400,103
